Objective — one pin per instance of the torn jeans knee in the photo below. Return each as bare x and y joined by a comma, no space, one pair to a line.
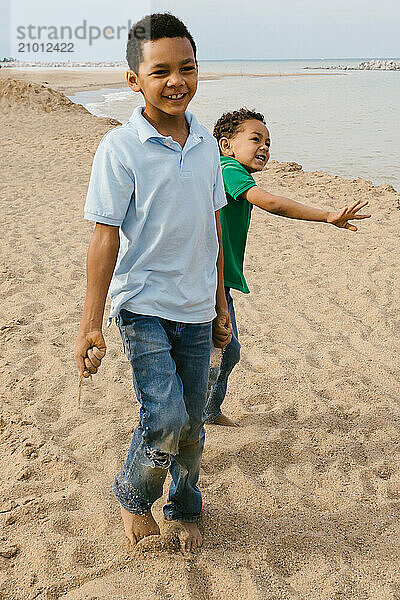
140,483
158,458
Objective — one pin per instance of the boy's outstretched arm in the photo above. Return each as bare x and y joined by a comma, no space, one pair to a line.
222,324
90,347
285,207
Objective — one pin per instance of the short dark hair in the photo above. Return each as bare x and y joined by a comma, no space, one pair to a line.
153,27
230,122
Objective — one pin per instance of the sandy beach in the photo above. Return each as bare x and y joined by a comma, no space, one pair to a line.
302,502
70,81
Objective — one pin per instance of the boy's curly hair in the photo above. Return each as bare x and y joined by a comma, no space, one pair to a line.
229,123
154,27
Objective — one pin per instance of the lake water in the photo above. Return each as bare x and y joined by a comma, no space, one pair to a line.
344,122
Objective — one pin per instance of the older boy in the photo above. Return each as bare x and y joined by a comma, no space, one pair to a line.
244,144
154,193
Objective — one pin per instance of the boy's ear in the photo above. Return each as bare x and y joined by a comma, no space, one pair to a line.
225,147
132,80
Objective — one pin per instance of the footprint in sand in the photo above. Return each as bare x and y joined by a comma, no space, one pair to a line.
86,554
47,413
312,360
158,543
64,525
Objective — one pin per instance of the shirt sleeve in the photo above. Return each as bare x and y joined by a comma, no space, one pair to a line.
219,196
237,180
111,186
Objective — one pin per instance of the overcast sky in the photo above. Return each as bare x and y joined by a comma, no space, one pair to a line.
223,29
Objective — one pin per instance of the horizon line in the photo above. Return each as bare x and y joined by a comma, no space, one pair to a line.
307,58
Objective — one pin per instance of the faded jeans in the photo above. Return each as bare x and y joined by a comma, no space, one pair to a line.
169,362
218,382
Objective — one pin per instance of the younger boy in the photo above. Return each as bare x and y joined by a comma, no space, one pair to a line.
155,192
244,143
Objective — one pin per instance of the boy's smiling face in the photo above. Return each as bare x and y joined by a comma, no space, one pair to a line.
167,76
249,145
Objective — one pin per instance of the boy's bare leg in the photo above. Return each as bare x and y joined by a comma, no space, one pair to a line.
138,526
189,536
225,421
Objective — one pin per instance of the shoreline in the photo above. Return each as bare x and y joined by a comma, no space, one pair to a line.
71,81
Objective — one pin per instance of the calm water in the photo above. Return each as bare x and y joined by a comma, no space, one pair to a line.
343,122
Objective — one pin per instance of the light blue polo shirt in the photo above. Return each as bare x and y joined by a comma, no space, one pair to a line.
163,199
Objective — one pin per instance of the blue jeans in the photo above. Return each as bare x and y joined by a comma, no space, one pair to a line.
170,364
230,358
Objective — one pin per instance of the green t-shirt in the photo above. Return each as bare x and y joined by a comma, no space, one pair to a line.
235,221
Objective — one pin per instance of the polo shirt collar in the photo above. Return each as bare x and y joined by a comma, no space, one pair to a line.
146,131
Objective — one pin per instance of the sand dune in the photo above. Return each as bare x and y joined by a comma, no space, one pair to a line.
17,94
301,502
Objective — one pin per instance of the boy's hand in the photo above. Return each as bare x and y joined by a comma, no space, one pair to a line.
348,213
90,349
221,330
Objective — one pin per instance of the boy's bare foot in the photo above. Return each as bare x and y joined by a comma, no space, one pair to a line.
138,526
225,421
189,536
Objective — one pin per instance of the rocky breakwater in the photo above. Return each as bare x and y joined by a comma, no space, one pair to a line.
367,65
372,65
12,64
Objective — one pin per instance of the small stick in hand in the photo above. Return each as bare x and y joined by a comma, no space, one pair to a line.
79,390
80,386
95,360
